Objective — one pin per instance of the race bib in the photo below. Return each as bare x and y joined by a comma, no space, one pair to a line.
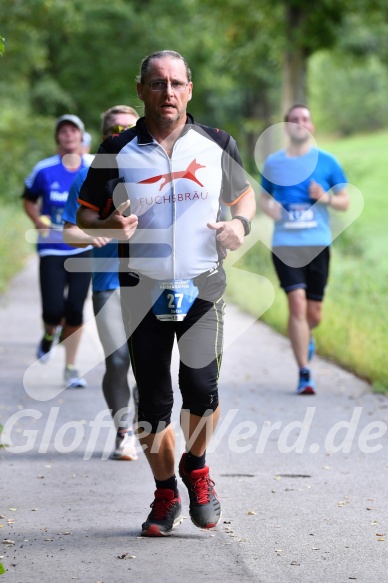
56,217
172,299
299,216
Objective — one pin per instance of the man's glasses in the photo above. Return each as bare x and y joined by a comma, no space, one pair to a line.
118,129
162,86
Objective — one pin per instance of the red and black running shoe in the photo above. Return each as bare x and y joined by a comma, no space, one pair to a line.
166,513
205,508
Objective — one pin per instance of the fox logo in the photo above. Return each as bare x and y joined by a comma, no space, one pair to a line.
189,173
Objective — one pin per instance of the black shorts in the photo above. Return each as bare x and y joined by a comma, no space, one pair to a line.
200,339
63,292
303,268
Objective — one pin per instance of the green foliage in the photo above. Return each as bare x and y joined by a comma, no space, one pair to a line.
352,97
83,56
2,47
22,145
311,27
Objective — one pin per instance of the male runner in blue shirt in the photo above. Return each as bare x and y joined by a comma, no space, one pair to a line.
299,185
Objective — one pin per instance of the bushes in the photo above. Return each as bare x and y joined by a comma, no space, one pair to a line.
24,139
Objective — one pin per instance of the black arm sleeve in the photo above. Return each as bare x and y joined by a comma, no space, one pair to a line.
29,195
103,168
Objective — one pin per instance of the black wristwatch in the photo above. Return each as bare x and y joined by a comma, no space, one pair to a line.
245,222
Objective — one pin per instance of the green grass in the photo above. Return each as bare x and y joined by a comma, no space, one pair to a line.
354,330
13,246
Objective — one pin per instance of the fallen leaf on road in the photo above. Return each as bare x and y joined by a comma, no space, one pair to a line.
122,556
251,513
7,541
13,509
381,538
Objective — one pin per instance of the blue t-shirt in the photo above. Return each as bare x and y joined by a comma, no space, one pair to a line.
50,182
105,259
287,179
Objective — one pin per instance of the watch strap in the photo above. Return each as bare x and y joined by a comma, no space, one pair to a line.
246,224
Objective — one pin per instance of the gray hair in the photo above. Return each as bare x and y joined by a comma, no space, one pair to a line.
145,65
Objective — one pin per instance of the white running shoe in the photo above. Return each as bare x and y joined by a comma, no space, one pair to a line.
125,447
73,380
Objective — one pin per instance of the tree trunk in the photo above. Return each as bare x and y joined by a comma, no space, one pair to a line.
259,108
294,89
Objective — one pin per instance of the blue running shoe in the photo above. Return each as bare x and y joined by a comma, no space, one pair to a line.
306,384
73,379
311,350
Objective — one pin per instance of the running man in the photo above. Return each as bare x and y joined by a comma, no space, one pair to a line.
176,173
63,293
299,185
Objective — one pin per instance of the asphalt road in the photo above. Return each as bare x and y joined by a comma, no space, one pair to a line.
302,480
